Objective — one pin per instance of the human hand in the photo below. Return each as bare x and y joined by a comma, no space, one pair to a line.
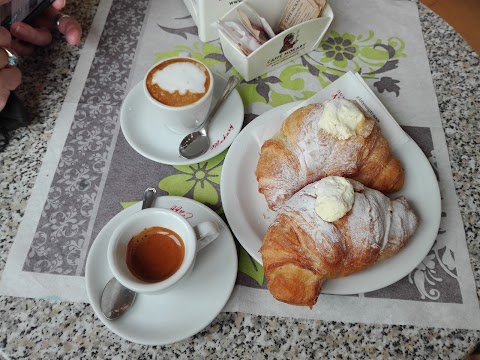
40,32
10,77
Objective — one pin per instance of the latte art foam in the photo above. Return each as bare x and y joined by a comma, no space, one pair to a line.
178,82
181,77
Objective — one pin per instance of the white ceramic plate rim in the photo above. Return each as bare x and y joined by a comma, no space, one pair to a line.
248,215
223,269
154,141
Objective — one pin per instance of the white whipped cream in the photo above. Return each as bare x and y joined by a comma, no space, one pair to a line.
340,117
335,197
181,77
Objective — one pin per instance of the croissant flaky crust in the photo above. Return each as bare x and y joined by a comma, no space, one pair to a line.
302,153
300,251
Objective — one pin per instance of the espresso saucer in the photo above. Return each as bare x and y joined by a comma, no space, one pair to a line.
188,307
142,126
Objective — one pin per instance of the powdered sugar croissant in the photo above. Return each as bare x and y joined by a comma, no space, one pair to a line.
318,140
301,251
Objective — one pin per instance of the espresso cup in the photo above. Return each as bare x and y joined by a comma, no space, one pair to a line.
143,253
181,90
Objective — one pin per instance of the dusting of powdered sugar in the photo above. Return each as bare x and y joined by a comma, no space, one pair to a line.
303,204
309,151
280,186
373,223
322,154
401,224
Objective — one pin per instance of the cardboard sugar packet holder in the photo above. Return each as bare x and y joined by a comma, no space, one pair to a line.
284,47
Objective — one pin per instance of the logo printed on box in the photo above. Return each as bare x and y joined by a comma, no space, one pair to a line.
288,49
288,41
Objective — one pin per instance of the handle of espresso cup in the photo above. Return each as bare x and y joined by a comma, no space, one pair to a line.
206,232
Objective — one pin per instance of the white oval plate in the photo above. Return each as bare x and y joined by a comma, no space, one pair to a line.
142,127
249,217
191,305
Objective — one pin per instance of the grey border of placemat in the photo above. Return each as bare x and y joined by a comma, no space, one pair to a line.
74,191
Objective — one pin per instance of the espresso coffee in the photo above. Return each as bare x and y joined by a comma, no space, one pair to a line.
178,82
155,254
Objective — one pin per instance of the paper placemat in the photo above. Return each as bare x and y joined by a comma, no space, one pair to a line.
90,173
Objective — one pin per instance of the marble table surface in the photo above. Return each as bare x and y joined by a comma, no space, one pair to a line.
40,329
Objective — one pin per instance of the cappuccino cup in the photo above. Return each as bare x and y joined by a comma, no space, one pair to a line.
181,89
153,249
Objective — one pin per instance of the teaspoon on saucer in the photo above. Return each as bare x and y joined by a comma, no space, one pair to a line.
116,299
198,142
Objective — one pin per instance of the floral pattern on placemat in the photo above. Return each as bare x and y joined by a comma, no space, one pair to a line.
200,179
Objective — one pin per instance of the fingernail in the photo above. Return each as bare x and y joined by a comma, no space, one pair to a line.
17,30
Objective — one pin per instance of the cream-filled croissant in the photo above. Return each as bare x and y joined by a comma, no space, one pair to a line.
319,140
329,229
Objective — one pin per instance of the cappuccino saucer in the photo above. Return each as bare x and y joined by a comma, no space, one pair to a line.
187,308
142,127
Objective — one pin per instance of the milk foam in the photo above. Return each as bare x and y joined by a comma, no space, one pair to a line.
181,77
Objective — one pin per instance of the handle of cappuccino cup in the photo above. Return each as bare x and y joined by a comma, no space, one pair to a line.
206,232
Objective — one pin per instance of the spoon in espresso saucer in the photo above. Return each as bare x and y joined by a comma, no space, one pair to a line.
198,142
116,299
